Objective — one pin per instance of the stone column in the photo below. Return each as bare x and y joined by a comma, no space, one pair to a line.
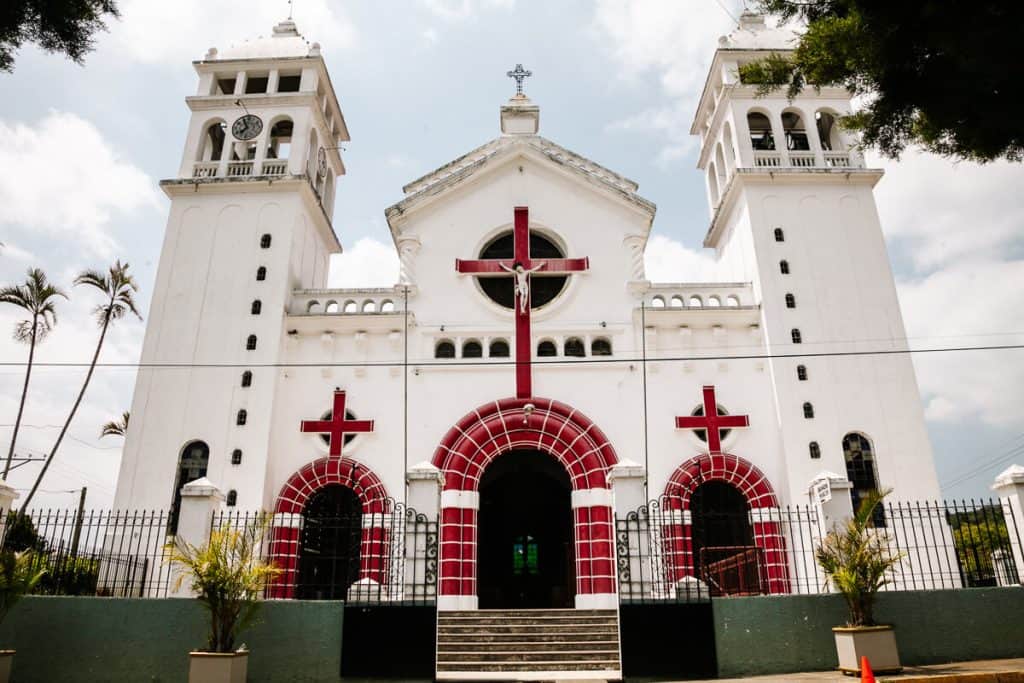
199,500
424,482
628,479
1009,486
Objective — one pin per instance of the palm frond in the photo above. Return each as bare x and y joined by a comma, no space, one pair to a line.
116,427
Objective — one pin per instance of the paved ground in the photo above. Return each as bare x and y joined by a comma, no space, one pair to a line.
994,671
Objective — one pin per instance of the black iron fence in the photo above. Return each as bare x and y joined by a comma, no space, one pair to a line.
669,554
381,558
96,552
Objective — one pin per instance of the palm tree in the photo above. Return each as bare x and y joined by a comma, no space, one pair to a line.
118,288
116,427
39,298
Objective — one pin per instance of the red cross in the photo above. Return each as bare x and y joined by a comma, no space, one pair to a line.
712,421
338,426
521,257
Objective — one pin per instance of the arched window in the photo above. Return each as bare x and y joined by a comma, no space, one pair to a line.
828,132
499,349
247,378
472,349
243,415
331,307
444,349
387,306
713,183
801,373
732,301
601,347
808,410
313,306
261,274
790,301
236,456
677,301
658,302
779,235
720,165
369,306
795,335
257,307
815,450
265,241
280,142
796,132
192,464
696,302
351,307
574,347
232,498
212,146
714,301
861,471
250,343
547,349
761,137
784,267
730,150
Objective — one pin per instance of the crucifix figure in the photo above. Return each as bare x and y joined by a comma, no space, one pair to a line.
711,421
519,73
522,268
338,426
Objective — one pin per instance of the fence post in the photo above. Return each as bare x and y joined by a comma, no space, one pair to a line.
627,479
7,496
424,481
1009,486
199,500
830,495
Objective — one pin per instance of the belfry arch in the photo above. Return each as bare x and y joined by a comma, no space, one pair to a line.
535,424
763,509
292,500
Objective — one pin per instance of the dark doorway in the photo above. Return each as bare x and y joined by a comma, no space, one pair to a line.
724,554
329,549
525,553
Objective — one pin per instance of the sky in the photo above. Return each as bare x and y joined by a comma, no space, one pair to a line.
420,82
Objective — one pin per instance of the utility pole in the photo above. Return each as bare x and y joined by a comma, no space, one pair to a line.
79,518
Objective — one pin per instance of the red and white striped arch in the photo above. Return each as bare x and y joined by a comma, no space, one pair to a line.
556,429
291,502
764,513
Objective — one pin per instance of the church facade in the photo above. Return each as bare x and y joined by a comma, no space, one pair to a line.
524,365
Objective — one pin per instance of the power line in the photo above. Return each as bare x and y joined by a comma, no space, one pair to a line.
981,468
458,362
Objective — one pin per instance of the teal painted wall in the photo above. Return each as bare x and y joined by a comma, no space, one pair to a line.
111,639
783,634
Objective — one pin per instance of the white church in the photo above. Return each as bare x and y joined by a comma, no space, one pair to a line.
523,383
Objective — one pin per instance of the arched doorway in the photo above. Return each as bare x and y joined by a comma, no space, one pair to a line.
525,551
332,524
724,554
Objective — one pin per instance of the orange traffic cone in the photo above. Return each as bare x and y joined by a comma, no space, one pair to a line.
866,674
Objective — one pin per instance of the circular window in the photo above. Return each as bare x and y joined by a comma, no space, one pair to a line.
328,416
702,434
543,288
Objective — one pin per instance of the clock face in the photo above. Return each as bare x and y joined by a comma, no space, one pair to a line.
321,162
246,127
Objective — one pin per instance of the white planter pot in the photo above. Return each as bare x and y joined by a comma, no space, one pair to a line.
877,643
217,667
6,660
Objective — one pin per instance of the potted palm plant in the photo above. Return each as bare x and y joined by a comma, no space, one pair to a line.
19,573
228,577
856,560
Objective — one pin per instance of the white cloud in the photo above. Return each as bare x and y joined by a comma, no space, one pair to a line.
13,251
368,263
671,122
459,10
667,260
79,181
174,33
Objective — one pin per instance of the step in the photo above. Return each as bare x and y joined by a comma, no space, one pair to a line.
515,667
516,656
608,635
574,646
550,621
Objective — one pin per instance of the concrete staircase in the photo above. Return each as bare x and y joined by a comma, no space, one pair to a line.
528,645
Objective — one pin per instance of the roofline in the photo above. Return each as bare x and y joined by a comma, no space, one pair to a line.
716,62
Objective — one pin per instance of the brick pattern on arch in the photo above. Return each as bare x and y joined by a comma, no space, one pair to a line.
764,507
291,501
501,426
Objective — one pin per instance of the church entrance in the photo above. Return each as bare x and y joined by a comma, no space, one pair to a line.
525,535
329,545
724,554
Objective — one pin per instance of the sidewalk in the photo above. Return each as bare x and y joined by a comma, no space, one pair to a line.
991,671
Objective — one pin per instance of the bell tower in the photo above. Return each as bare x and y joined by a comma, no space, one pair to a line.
249,222
793,211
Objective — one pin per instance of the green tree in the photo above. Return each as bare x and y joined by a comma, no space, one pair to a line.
118,288
116,427
38,298
937,73
65,26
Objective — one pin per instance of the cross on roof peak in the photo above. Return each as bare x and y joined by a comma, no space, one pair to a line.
520,74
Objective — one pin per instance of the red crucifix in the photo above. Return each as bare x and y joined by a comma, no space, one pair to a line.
522,267
338,426
712,421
